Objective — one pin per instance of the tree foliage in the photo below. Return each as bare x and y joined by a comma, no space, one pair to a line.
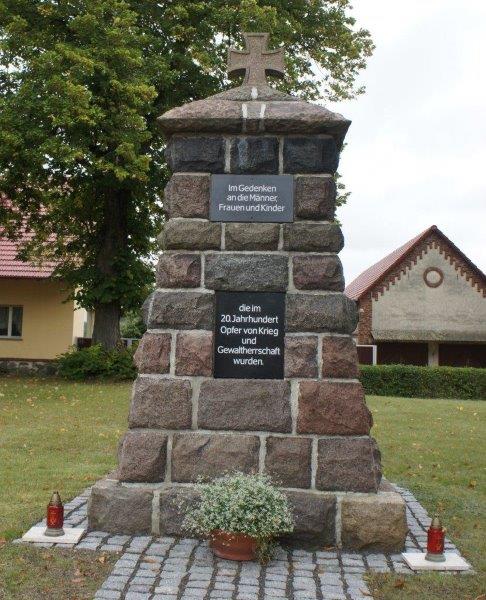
81,85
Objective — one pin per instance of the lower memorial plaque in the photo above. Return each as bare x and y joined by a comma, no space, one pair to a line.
249,336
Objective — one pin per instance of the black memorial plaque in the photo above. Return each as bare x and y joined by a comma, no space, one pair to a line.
249,336
252,198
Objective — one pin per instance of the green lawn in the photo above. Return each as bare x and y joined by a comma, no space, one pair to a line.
53,435
64,435
437,448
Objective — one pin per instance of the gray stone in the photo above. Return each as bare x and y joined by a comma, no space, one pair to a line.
187,195
314,516
174,503
252,236
190,234
310,154
143,456
161,403
348,465
197,455
375,521
320,312
283,114
288,461
314,272
245,404
153,353
301,356
179,270
315,197
196,153
246,272
182,310
333,408
254,154
119,509
313,237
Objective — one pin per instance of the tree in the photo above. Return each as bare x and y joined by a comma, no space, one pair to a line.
81,85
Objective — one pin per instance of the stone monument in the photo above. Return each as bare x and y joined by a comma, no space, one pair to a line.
248,361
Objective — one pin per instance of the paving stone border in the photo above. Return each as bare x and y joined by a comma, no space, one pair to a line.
167,568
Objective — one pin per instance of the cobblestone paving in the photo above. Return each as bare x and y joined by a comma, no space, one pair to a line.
164,568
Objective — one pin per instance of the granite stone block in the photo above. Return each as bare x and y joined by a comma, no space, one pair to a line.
348,464
254,155
153,353
161,403
315,312
196,455
195,153
181,310
142,456
194,353
174,503
187,195
300,356
310,154
318,272
190,234
333,408
252,236
179,270
314,517
288,461
339,357
245,405
306,236
246,272
315,197
373,522
119,509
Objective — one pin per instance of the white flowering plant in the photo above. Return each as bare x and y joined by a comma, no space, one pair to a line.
239,503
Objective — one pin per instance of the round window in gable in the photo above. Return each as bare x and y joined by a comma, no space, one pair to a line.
433,277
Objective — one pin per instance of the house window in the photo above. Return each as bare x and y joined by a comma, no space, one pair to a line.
11,321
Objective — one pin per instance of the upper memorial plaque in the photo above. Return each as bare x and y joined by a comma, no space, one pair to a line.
252,198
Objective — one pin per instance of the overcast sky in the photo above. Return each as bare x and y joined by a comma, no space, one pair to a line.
416,153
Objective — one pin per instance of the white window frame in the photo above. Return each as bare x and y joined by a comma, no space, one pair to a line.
374,350
10,308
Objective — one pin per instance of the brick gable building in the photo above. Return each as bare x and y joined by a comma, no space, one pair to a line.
423,304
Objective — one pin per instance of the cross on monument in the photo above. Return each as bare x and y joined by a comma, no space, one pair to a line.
256,61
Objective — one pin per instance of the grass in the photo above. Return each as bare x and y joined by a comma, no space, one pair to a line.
53,435
437,449
64,435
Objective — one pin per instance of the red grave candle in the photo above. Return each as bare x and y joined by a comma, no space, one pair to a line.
435,541
55,516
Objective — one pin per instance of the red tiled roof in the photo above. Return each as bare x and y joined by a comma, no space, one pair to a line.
11,266
369,278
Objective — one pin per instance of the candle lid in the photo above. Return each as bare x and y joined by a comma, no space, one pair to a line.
436,523
55,499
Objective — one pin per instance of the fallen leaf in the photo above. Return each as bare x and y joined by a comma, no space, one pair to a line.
77,580
399,583
102,559
472,484
481,597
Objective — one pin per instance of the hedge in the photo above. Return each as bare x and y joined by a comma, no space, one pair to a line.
424,382
94,362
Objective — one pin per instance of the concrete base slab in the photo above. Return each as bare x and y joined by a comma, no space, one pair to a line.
72,535
453,562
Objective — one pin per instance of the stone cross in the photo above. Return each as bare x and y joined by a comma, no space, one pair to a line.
256,61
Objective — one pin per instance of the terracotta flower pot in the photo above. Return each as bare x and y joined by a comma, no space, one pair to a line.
233,546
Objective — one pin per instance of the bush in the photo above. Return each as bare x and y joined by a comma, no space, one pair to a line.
240,503
94,362
424,382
